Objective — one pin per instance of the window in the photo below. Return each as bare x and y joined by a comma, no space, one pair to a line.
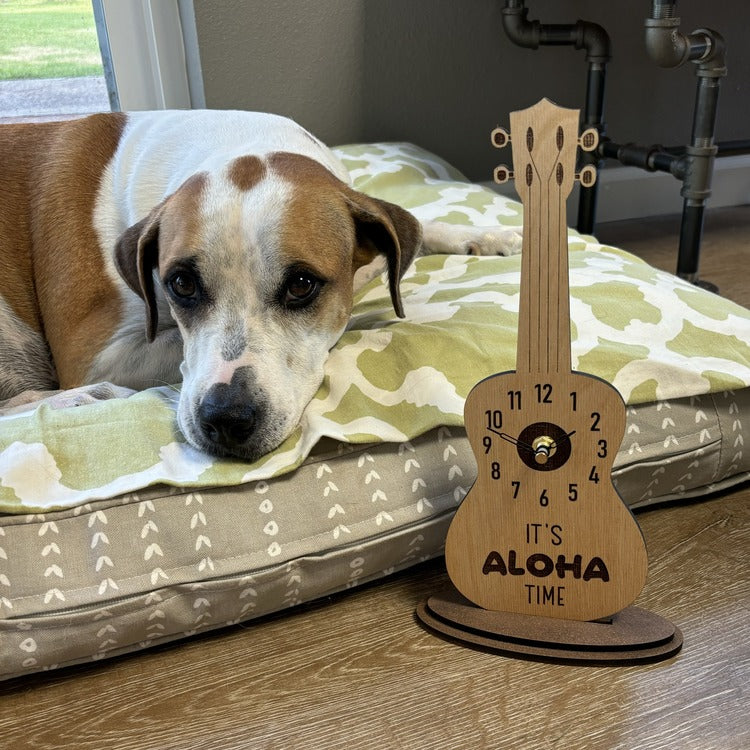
62,58
50,65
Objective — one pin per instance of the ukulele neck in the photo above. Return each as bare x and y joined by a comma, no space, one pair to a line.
544,152
544,309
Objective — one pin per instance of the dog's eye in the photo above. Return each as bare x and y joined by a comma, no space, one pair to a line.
183,286
300,289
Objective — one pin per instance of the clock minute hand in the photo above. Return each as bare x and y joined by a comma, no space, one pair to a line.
511,439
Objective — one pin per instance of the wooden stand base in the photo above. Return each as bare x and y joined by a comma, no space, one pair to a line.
630,636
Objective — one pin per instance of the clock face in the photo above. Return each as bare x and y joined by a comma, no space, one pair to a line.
541,427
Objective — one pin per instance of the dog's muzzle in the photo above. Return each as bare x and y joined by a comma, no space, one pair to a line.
228,415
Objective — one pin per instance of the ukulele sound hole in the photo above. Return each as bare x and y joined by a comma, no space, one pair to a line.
550,443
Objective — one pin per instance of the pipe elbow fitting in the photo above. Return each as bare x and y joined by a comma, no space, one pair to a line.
716,56
665,45
595,40
519,29
668,47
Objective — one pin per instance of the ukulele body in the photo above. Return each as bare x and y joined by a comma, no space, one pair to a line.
543,530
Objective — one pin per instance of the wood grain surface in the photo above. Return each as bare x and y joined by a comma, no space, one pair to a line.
357,671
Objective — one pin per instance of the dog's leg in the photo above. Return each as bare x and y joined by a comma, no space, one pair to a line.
25,361
459,239
439,237
87,394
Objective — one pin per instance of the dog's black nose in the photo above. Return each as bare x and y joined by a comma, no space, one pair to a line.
226,419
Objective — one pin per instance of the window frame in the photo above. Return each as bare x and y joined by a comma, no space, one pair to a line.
150,54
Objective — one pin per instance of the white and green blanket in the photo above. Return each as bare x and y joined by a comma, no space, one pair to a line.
388,380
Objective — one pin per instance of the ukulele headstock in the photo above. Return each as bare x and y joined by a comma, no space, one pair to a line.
544,145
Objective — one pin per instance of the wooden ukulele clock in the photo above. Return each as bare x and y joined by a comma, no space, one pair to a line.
542,543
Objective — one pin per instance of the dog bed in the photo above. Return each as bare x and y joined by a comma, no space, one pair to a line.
115,535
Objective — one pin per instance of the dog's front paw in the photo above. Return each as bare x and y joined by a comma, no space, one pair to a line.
494,242
459,239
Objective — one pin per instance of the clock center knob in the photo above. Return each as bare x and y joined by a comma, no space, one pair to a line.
544,447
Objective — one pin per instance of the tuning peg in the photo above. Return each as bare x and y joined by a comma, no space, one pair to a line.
589,139
500,137
502,174
587,176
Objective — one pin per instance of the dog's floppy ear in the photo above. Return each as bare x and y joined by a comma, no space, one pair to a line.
386,228
136,255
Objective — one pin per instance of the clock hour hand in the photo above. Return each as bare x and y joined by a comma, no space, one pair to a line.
562,439
511,439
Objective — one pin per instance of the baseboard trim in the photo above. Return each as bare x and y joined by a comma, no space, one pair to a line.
631,193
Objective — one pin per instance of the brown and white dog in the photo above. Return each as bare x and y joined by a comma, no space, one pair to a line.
215,248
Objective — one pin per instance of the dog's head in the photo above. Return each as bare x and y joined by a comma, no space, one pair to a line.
256,263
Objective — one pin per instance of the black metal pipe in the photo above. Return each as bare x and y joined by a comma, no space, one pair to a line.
651,158
732,148
691,234
723,148
531,34
669,48
696,184
581,35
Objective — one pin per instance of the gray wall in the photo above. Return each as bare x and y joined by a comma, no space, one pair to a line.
441,73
